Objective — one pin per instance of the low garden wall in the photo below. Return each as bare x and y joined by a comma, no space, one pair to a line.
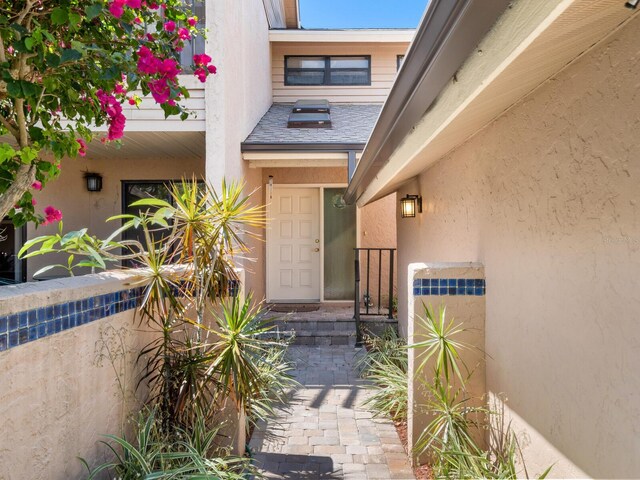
68,372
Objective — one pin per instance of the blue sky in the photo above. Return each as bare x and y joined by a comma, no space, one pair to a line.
361,13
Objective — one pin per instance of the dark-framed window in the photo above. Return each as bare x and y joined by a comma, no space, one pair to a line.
193,46
134,190
399,60
327,70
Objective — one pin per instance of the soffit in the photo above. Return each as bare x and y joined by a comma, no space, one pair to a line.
521,65
161,145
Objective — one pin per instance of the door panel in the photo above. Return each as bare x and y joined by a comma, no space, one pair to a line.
293,248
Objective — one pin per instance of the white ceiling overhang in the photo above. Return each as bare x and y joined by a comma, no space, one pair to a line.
530,44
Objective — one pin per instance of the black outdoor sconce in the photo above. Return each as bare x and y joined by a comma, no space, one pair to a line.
632,3
409,205
94,181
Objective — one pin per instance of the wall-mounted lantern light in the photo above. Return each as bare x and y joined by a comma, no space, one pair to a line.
94,181
410,205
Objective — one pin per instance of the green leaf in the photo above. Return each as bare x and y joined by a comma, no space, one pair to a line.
151,202
28,89
6,152
74,19
14,89
36,133
92,11
29,43
28,155
60,16
73,236
70,55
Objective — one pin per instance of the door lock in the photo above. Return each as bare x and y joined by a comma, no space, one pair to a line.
317,240
317,250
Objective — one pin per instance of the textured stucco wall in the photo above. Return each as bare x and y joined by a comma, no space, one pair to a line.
547,198
81,208
238,96
60,394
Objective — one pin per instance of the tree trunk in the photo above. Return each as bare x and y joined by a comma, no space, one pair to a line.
25,176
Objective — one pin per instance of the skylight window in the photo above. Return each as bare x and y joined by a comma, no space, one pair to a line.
310,114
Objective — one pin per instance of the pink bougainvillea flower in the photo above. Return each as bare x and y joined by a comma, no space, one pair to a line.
192,21
110,105
212,69
170,26
153,6
82,151
33,202
37,185
160,90
201,60
201,73
134,3
51,215
116,7
10,49
150,37
131,100
137,20
119,89
184,34
168,68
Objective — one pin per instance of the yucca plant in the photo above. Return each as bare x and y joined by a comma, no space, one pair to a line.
182,455
390,388
456,418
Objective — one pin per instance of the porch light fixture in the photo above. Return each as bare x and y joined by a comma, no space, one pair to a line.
409,205
94,181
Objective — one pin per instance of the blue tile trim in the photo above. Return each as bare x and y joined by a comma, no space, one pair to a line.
24,327
449,286
29,325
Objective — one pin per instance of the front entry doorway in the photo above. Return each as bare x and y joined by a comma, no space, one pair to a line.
310,241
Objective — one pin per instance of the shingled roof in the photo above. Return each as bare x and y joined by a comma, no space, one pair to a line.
351,125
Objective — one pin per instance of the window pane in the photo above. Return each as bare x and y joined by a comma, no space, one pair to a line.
305,62
349,77
349,62
305,78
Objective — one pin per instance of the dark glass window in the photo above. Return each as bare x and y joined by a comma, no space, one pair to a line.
193,46
325,70
133,191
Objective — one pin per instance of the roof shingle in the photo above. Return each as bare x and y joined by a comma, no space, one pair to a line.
350,123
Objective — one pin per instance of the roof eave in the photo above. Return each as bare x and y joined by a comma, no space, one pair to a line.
301,147
447,34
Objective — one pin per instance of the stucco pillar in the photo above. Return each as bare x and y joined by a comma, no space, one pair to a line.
460,287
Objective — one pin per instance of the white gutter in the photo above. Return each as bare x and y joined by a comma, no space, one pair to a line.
343,36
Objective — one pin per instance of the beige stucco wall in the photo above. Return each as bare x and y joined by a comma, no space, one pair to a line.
60,393
546,197
81,208
238,41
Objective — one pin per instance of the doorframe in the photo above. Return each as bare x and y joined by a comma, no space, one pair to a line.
320,187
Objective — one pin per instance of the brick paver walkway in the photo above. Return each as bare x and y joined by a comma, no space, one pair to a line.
324,432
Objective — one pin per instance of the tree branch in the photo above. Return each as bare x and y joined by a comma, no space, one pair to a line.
3,57
25,176
7,124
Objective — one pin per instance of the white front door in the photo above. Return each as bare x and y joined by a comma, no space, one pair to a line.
293,245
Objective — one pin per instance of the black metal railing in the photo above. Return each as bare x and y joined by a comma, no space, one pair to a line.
368,308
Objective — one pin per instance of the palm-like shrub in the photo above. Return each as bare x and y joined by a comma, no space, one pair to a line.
385,365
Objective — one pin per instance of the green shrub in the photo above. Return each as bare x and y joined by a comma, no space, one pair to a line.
385,365
181,455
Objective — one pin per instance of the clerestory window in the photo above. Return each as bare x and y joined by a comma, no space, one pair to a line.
327,70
